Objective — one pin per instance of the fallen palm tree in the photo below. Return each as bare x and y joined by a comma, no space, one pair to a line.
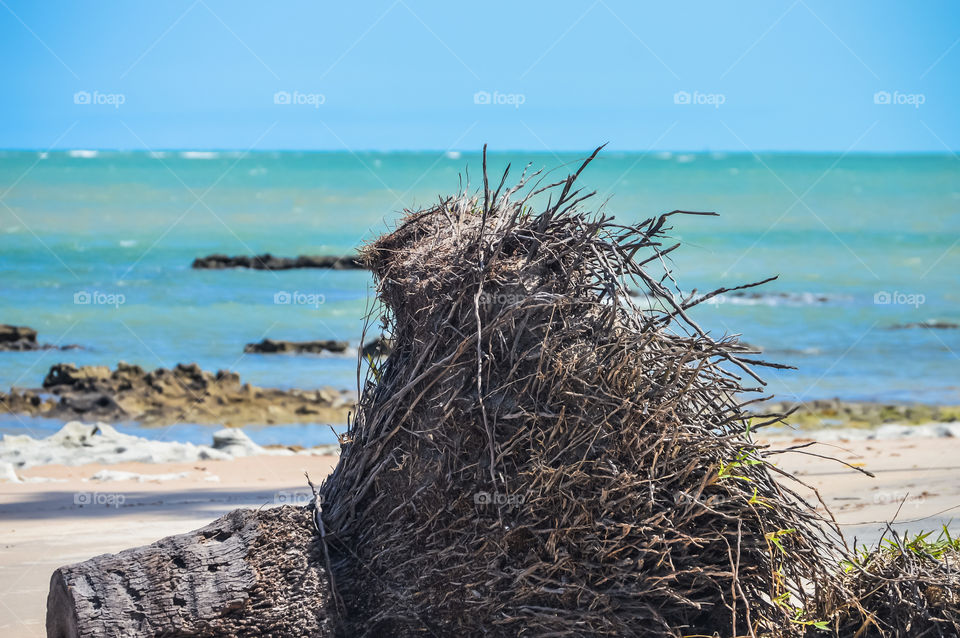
537,456
249,573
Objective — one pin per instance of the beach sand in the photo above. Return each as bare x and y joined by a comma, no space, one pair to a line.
44,526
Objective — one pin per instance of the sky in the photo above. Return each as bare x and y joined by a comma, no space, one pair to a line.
771,75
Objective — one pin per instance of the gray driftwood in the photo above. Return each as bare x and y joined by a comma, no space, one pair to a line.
249,573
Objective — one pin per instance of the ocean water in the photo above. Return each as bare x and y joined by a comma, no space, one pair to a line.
860,243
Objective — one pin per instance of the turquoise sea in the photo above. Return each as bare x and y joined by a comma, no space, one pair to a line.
860,242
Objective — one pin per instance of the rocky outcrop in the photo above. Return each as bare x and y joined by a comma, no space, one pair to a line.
17,334
835,413
269,262
20,338
272,346
929,325
185,394
379,347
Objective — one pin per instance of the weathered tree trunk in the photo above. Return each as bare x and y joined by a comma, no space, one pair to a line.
249,573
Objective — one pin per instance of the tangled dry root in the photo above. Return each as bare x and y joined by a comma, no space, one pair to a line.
905,586
541,456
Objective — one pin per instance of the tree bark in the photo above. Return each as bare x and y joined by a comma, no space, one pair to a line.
249,573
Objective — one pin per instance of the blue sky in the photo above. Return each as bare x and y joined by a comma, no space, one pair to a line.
804,75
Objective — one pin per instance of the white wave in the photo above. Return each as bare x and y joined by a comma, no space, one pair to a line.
201,155
746,298
454,155
685,159
82,154
128,243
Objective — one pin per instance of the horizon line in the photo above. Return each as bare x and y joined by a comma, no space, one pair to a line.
247,151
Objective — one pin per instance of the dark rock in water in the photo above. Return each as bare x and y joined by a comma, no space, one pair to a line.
269,346
379,347
269,262
25,402
89,378
930,325
184,394
21,338
97,406
12,334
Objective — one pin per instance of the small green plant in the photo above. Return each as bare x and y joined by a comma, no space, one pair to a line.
757,500
774,537
373,367
919,545
743,459
783,601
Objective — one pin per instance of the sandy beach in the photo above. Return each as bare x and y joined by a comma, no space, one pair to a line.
44,525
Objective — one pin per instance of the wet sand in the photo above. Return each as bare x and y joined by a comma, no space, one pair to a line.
46,524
